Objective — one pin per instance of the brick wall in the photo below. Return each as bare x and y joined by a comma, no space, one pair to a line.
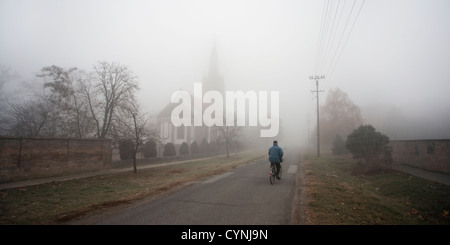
431,155
27,158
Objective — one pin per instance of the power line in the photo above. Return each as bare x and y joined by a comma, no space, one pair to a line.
325,61
359,11
329,37
337,29
343,32
328,53
325,38
321,33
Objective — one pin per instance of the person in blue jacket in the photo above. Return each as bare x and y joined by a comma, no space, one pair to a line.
276,156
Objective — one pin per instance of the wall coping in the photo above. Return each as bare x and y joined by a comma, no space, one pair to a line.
420,140
53,138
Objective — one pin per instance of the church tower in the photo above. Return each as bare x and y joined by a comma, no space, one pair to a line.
213,80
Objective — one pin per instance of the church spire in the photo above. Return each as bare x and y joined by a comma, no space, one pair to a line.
214,62
214,81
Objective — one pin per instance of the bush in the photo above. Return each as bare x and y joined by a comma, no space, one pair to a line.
339,146
169,150
204,146
184,149
370,147
149,149
194,148
126,149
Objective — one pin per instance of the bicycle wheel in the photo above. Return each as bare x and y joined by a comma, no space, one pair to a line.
272,172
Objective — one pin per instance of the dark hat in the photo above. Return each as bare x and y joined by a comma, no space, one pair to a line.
275,142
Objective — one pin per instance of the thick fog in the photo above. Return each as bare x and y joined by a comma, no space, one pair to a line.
391,57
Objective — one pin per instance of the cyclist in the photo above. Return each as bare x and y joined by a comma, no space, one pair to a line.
276,156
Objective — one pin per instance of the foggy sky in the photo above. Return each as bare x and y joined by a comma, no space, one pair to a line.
396,59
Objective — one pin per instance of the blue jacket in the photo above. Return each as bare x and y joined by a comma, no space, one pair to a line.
275,153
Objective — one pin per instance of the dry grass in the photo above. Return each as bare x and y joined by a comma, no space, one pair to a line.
335,196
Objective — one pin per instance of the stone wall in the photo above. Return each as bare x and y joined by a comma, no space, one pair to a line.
430,155
27,158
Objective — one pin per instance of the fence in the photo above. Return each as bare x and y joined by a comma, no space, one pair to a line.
25,158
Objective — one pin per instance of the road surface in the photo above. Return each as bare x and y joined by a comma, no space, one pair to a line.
243,196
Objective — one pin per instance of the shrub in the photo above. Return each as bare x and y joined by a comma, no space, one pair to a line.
126,149
204,146
194,148
169,150
149,149
339,146
184,149
370,147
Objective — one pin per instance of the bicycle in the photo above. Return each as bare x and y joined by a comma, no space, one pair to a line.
273,171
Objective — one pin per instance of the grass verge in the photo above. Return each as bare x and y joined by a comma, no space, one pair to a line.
57,202
335,196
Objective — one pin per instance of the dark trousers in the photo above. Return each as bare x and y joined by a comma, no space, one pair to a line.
277,164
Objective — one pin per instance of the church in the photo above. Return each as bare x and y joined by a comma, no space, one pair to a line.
189,134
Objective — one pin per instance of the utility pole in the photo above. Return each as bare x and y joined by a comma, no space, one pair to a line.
317,97
308,130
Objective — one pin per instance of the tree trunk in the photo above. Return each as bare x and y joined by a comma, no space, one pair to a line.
134,162
226,146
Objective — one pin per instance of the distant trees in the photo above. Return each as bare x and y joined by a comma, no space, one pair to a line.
31,118
73,102
338,116
6,76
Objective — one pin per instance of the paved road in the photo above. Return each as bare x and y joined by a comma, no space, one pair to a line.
241,197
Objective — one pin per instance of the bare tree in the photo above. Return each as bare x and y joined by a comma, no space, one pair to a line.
131,124
75,104
228,134
31,118
72,117
111,85
5,77
83,122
